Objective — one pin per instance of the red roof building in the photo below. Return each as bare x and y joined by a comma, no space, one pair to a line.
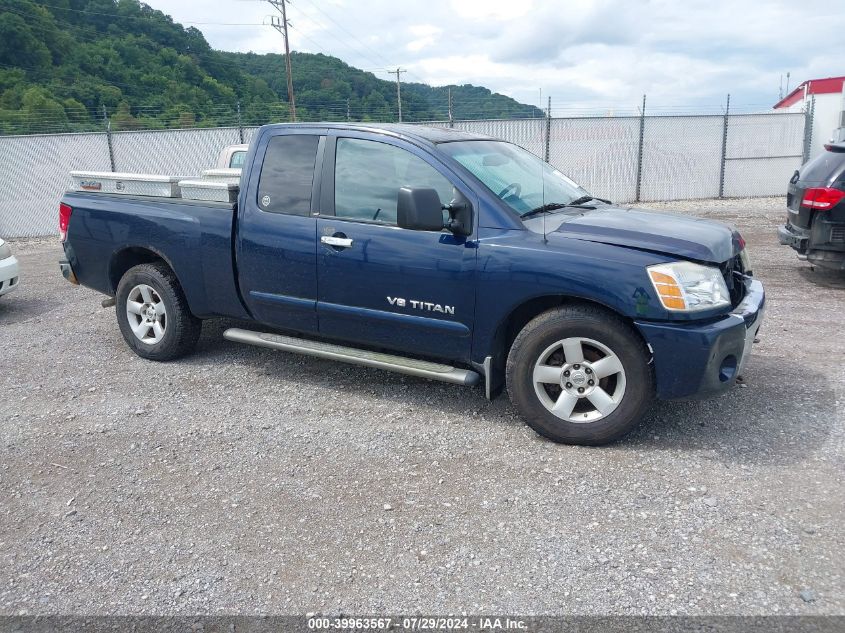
830,85
824,99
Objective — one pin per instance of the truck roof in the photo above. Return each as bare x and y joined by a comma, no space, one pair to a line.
424,133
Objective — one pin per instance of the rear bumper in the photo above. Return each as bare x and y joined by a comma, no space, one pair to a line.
823,245
790,235
9,275
67,272
698,360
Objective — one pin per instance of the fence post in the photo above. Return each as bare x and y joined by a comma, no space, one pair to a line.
548,130
724,149
640,152
107,125
240,124
809,112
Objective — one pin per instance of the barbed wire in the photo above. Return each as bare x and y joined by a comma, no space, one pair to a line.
250,114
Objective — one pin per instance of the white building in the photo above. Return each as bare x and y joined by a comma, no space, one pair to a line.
828,111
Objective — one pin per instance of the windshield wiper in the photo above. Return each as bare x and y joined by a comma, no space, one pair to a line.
584,199
552,206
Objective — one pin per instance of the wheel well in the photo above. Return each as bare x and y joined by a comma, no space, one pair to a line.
525,312
128,258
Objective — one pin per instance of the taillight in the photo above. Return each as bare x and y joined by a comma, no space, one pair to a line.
822,198
64,219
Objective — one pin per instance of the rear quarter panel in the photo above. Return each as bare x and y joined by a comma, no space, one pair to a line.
194,239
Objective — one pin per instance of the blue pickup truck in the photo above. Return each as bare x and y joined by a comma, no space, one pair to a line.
435,253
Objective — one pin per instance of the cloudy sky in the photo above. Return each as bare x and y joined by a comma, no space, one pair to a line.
582,53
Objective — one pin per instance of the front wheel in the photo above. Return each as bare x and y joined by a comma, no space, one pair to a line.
580,375
153,314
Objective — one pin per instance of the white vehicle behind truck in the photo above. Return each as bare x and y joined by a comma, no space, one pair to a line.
9,271
232,157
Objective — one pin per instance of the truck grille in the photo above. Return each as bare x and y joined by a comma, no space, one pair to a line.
734,275
837,234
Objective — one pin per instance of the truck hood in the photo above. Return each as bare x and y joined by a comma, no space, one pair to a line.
681,236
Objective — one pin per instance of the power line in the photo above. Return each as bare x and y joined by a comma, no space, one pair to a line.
352,35
204,60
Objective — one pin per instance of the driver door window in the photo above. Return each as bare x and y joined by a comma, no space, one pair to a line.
369,174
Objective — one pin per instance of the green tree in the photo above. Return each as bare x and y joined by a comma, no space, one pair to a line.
62,61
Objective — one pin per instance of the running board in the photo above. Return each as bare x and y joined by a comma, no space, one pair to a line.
378,360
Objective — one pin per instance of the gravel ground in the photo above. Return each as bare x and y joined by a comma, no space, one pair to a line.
242,480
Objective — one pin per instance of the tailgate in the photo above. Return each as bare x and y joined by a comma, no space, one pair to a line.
798,216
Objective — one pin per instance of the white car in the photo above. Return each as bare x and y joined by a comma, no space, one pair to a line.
9,275
232,157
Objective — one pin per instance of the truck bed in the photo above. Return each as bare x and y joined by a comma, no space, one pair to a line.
194,237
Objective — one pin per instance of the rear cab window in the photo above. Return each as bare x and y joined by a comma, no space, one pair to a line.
287,174
237,160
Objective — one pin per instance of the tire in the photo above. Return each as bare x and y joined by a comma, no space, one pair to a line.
155,288
607,343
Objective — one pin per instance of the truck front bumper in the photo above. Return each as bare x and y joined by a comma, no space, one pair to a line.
693,360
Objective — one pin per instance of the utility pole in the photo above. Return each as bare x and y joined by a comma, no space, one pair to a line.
398,90
282,27
451,120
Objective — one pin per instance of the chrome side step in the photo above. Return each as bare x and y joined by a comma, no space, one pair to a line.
399,364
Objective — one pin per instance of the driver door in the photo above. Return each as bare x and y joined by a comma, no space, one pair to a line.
378,284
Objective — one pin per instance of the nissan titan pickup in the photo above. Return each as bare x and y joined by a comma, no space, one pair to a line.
431,252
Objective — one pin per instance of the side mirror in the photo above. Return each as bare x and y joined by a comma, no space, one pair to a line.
419,210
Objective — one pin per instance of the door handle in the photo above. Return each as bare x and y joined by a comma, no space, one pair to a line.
341,242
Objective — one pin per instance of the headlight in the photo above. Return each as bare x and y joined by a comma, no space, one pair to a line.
5,251
688,287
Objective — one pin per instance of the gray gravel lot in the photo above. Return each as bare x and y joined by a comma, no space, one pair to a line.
242,480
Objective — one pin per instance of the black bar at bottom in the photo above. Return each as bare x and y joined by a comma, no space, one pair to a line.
400,623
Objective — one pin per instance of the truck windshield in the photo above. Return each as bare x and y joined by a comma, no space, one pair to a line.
522,180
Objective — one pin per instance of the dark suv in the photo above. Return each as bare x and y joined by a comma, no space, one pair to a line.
815,221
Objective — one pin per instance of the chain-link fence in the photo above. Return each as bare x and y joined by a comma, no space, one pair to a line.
625,159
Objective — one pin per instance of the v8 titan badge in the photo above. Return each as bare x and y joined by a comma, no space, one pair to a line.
265,201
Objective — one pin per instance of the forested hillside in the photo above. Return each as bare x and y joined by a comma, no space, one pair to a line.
64,62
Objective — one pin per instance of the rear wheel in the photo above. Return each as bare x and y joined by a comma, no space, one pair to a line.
580,375
153,314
